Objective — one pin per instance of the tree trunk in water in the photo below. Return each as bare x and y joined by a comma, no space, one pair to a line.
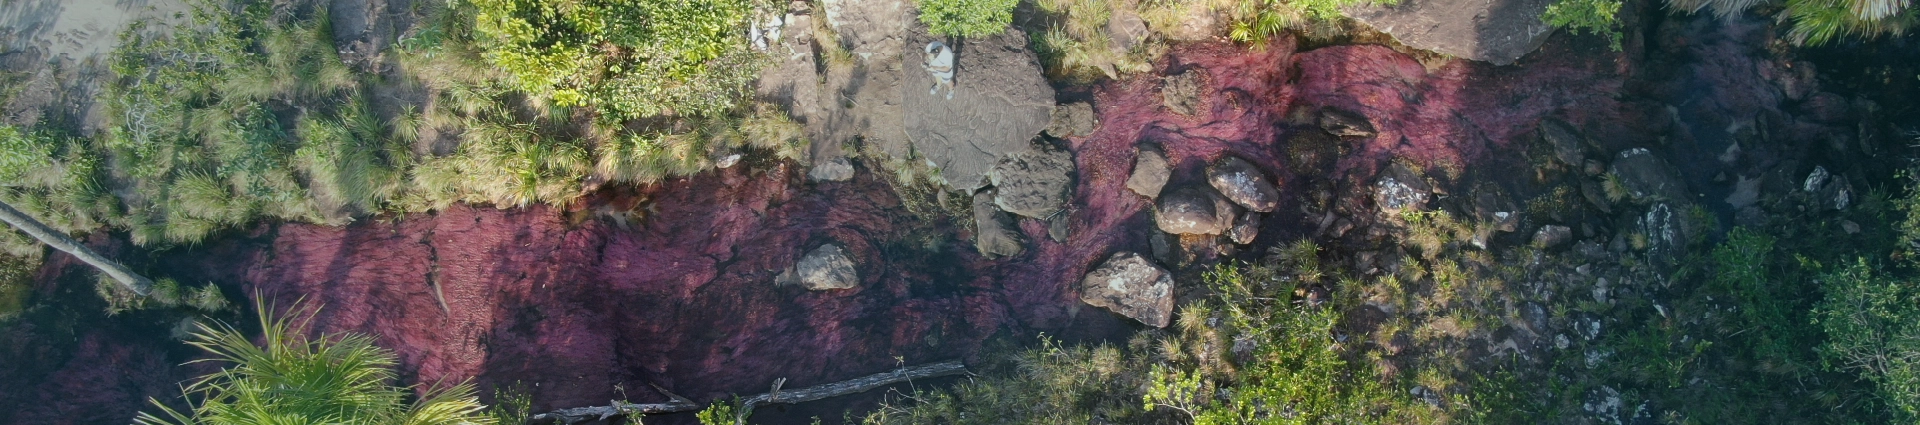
58,240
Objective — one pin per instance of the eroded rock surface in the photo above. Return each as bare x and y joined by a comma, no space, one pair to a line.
1072,120
1243,184
1132,286
823,268
1033,183
1181,92
999,102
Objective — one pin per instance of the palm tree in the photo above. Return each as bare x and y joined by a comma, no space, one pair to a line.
293,379
47,235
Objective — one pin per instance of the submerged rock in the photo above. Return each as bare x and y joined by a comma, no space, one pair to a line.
823,268
1345,124
1130,285
1180,93
1032,184
1192,210
994,233
1569,146
1243,183
1150,171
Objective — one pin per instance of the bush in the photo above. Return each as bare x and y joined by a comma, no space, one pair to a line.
1595,17
1816,22
967,18
1872,321
629,59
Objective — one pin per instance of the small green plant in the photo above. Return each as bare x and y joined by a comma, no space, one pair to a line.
291,378
1594,17
967,18
719,413
1816,22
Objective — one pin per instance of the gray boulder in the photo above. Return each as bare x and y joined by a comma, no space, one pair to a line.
994,233
1400,189
823,268
1072,120
1032,183
1193,210
1150,171
1130,285
1243,184
999,102
1499,33
1645,178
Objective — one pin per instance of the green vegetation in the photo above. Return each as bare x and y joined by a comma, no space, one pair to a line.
1254,21
966,18
291,378
165,294
1079,45
1816,22
1593,17
1256,351
628,59
16,284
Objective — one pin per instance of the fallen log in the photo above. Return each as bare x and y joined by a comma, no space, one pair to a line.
54,238
776,395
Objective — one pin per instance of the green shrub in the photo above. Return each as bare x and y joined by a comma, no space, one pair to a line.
1080,47
291,378
1595,17
629,59
1255,21
1872,320
967,18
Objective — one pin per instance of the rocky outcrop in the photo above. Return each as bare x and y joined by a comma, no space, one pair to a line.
1033,183
1484,31
994,234
1243,184
1150,171
823,268
1193,210
999,103
1130,285
1828,190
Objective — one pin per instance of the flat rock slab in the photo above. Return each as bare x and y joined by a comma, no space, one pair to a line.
1132,286
1499,33
823,268
1033,184
999,103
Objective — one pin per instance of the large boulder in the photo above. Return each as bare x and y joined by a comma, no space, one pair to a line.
1499,33
1193,210
823,268
1130,285
1150,171
1642,177
1032,183
1243,183
999,103
994,233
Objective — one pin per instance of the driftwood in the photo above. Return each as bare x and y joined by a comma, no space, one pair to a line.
776,395
47,235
